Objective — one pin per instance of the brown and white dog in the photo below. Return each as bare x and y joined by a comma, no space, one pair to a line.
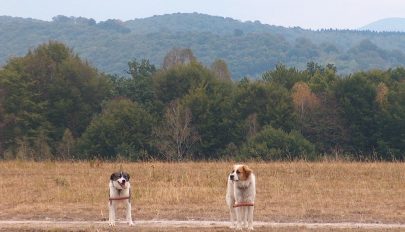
240,196
120,192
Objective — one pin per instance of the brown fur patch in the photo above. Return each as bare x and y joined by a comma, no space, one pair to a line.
245,172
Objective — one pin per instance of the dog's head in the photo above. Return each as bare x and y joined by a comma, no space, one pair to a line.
120,180
240,172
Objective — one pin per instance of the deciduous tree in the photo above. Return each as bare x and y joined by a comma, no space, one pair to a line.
303,98
177,136
178,56
48,90
220,69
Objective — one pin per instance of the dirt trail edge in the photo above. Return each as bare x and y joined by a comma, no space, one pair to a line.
197,224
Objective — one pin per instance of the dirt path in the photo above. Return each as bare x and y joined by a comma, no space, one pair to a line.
195,224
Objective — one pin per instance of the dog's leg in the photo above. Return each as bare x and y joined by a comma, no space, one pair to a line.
112,209
244,216
239,210
239,218
129,216
250,210
232,212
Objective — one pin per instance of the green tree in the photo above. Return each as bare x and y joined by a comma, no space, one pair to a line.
271,103
220,69
48,90
356,95
215,118
123,128
284,76
275,144
139,88
321,79
391,124
178,81
23,111
324,126
141,69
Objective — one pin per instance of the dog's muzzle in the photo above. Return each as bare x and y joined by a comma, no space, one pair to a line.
232,178
122,184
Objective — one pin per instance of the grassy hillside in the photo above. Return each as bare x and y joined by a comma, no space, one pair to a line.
249,48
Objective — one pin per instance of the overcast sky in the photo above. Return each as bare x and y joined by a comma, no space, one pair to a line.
309,14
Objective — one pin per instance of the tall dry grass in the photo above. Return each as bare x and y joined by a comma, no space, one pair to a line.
297,191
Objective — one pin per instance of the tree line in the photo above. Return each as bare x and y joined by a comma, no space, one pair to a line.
54,105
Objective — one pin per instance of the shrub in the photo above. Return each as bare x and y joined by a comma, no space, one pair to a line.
275,144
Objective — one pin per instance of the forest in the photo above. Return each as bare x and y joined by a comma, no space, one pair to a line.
54,105
249,48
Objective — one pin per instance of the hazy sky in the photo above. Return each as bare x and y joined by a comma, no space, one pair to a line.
314,14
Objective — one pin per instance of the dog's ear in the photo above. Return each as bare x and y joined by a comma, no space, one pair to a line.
247,170
112,176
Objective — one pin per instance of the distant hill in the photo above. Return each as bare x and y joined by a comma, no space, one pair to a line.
386,25
249,48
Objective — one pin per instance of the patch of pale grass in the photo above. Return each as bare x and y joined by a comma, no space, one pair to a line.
297,191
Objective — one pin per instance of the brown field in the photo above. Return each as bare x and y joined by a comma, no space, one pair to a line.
286,192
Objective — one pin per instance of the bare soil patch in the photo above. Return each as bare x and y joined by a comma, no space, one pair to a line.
176,225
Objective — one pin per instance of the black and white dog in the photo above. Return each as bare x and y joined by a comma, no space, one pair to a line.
120,191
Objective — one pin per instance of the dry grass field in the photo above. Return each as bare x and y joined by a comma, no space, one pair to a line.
286,192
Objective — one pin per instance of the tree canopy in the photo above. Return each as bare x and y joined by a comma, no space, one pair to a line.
54,105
